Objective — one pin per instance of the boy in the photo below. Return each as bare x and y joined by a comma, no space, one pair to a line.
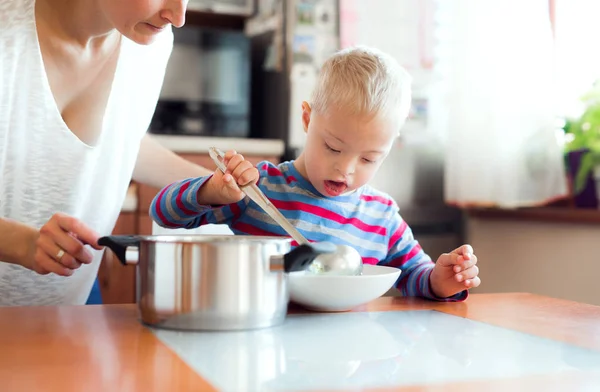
359,104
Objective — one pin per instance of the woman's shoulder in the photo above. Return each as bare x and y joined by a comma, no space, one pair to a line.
16,15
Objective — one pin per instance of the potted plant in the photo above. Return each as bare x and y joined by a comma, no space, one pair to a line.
583,150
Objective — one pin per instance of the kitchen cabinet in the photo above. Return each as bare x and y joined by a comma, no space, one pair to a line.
553,251
117,282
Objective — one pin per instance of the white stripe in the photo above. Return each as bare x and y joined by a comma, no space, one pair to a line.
316,228
192,192
169,203
286,188
404,242
219,216
343,235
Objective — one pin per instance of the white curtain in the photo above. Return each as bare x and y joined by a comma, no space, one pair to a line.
493,101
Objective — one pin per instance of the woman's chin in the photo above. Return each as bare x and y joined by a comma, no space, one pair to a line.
141,37
142,40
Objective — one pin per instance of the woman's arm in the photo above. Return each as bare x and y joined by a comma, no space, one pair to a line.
158,166
17,242
59,246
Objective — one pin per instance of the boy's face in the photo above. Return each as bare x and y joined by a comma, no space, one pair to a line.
142,20
343,152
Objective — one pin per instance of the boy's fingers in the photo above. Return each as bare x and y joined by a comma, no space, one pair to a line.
464,250
248,176
459,256
463,264
228,155
467,274
234,162
471,283
445,259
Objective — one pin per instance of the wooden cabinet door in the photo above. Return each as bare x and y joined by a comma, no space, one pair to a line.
117,281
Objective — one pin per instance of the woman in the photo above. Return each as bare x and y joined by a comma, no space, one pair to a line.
79,81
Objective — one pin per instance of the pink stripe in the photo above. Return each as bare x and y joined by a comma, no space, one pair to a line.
290,179
272,171
380,199
370,260
158,212
235,209
413,252
332,216
275,172
400,261
419,279
179,202
252,230
418,285
397,234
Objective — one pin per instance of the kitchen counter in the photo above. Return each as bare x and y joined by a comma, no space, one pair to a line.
552,214
201,144
491,342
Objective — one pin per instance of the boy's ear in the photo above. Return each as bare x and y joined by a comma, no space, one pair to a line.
305,115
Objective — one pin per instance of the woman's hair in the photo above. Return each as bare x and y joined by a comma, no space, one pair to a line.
363,81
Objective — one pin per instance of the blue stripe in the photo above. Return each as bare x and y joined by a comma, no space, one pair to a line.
193,191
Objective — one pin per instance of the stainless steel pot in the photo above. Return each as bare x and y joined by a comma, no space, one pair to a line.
212,282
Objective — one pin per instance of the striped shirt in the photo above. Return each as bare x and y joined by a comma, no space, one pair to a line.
367,219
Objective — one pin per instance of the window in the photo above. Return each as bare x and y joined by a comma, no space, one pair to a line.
577,53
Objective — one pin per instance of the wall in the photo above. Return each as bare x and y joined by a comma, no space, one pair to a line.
553,259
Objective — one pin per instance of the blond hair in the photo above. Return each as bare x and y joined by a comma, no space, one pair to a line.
363,81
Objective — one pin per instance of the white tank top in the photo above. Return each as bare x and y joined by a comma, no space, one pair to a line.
45,168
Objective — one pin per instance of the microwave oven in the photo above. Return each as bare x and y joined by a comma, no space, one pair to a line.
206,89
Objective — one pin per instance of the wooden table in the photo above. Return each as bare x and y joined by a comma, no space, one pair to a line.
105,348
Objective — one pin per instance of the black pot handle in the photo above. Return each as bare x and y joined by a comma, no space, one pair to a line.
119,244
300,258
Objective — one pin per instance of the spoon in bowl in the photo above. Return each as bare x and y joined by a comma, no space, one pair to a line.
344,261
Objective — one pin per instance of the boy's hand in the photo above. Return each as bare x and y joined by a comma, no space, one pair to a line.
455,272
240,172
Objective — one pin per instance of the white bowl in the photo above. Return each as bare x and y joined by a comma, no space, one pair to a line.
336,293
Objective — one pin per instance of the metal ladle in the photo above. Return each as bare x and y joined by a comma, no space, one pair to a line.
345,260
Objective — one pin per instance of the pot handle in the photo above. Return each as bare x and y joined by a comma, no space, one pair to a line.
300,258
119,244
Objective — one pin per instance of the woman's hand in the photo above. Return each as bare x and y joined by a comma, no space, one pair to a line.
60,247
